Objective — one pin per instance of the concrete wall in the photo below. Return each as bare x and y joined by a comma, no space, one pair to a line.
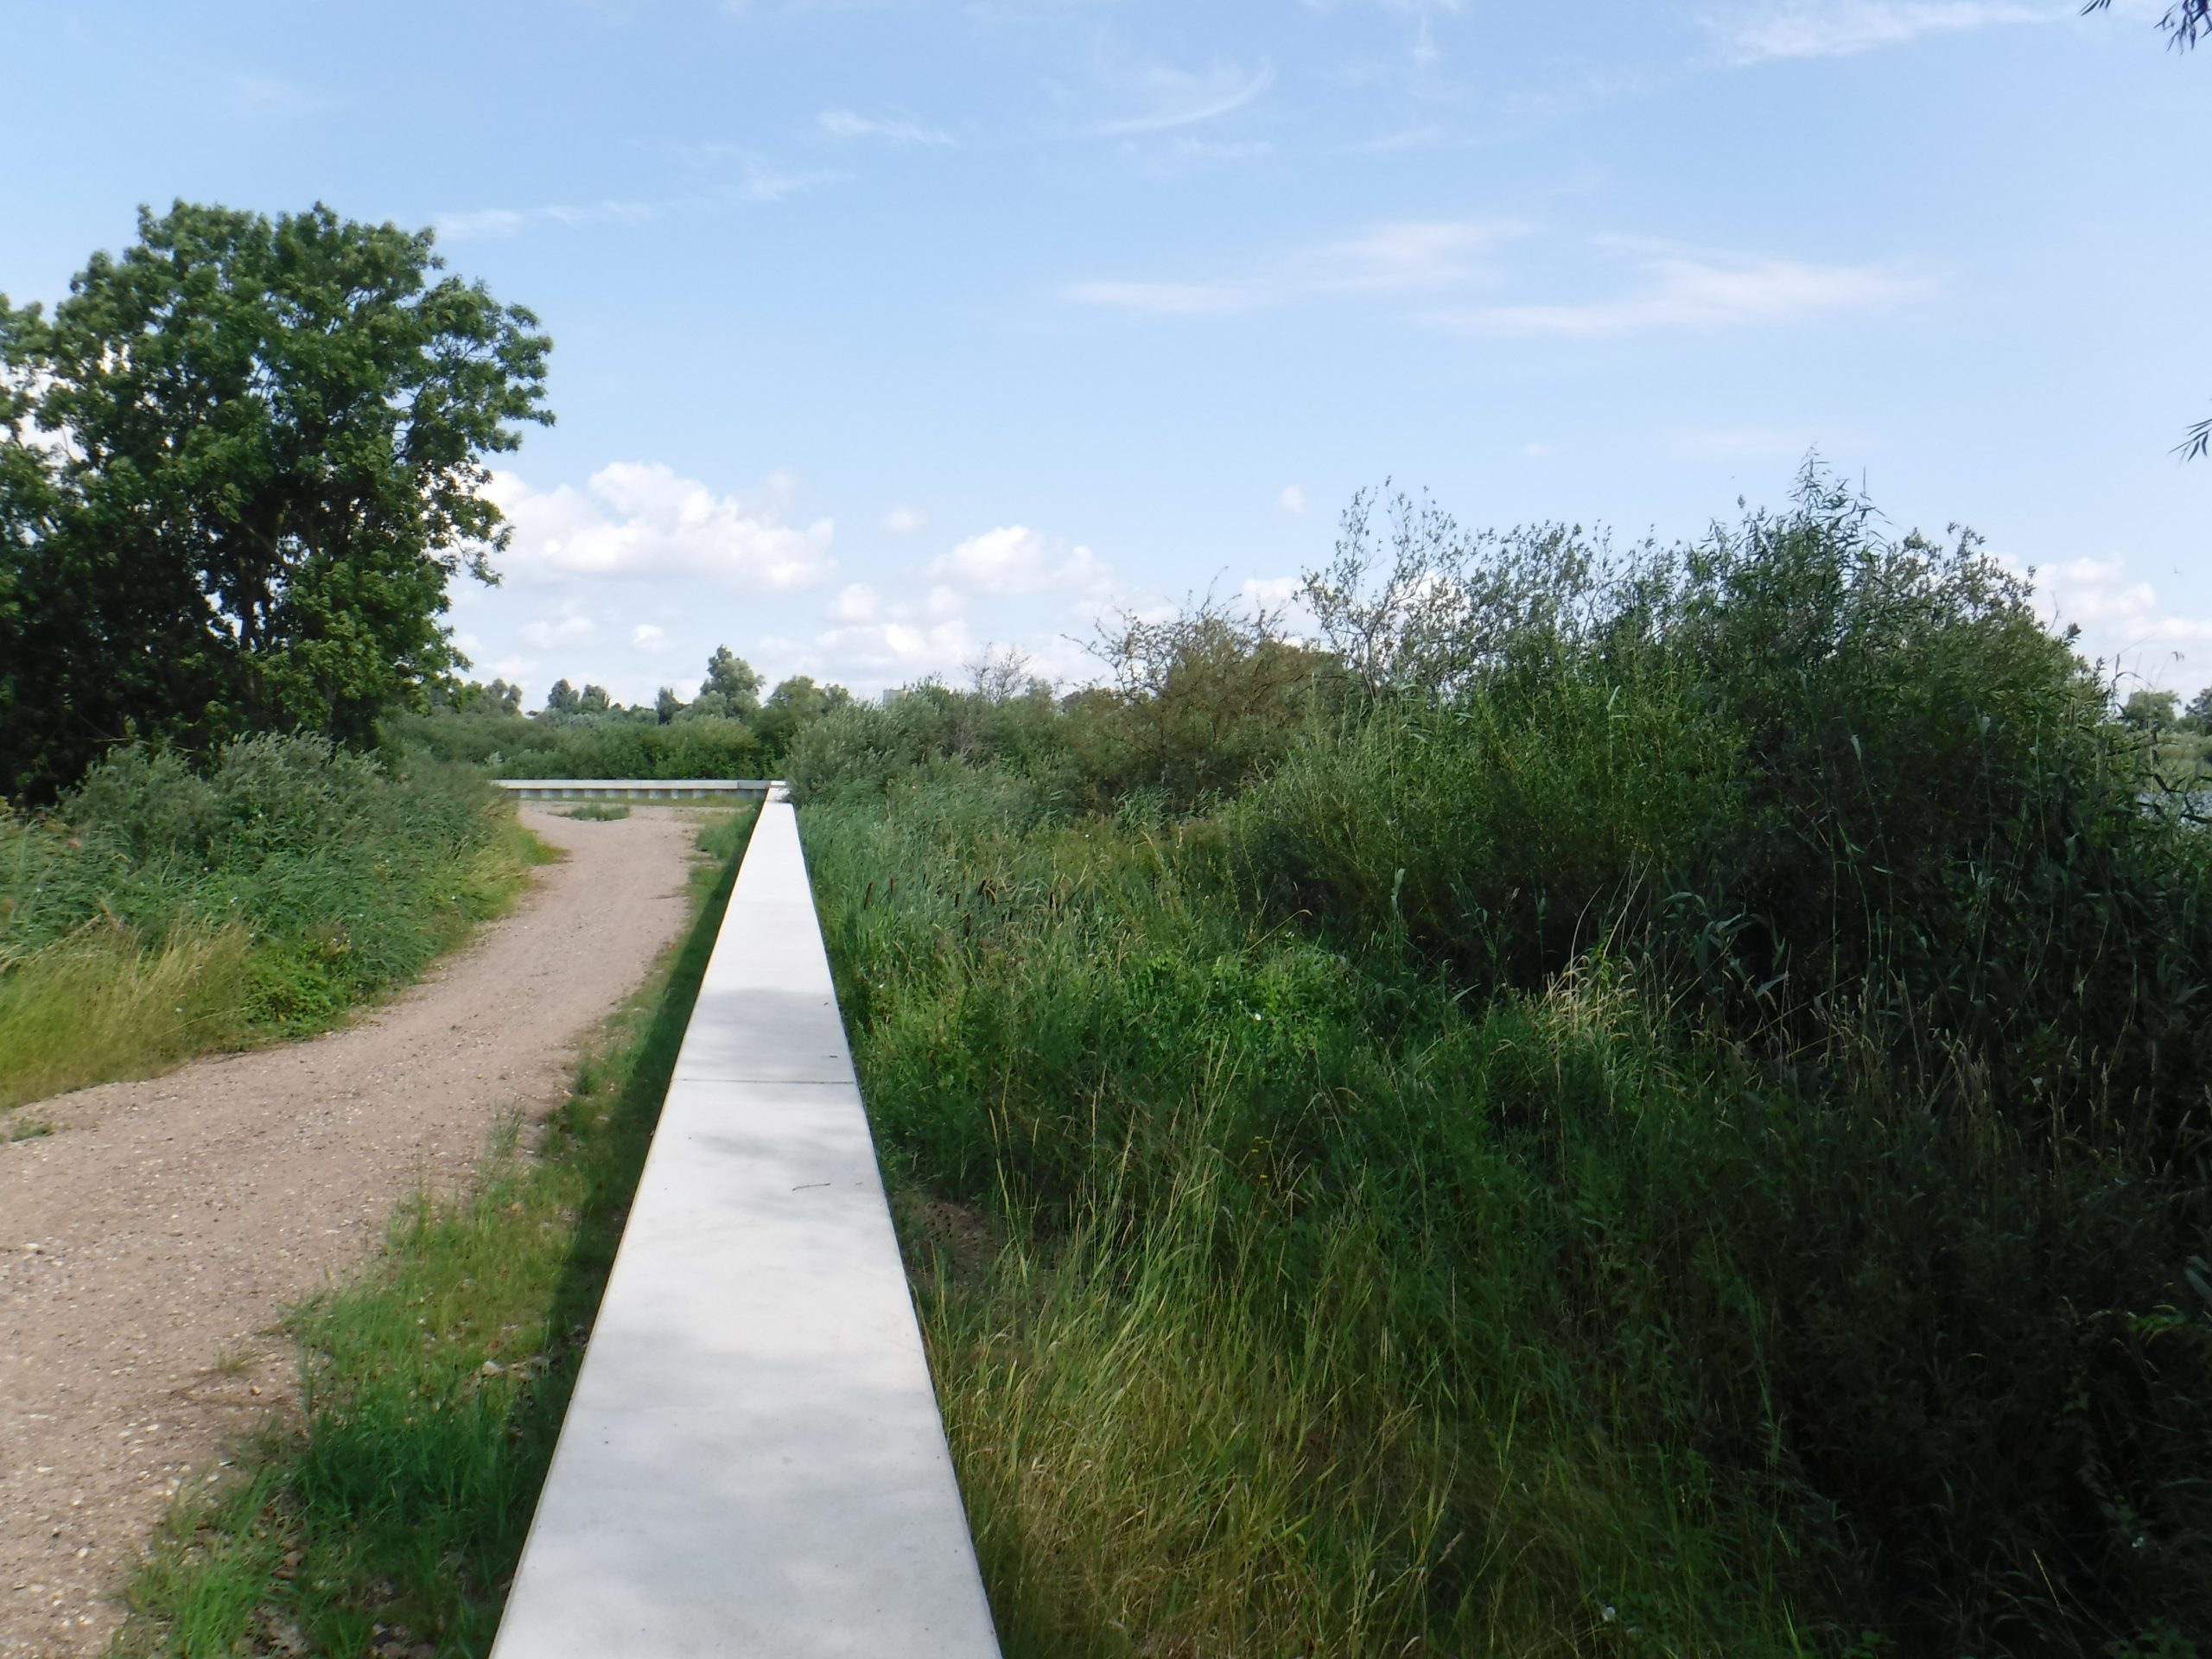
754,1463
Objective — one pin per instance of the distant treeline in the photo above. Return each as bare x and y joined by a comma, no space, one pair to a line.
728,730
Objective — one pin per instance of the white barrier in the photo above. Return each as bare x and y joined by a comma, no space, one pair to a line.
637,788
754,1463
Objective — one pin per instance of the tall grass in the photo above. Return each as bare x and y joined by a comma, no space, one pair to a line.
158,913
101,1004
433,1382
1682,1133
1259,1354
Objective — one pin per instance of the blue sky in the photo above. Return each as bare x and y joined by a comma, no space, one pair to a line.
887,330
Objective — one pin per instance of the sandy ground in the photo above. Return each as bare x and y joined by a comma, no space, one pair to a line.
148,1246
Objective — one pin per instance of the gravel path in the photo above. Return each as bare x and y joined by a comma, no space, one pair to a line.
148,1246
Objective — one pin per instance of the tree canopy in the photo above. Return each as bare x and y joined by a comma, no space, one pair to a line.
732,688
240,466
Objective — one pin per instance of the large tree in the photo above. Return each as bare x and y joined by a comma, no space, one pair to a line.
241,463
732,688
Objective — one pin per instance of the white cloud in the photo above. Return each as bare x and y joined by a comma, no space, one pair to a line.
892,653
642,521
647,638
2124,623
1538,450
1703,293
1293,499
1015,559
902,521
568,631
857,603
844,124
1821,29
1280,596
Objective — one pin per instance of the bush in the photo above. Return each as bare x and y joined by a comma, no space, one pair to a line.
616,746
176,911
1673,1124
1836,787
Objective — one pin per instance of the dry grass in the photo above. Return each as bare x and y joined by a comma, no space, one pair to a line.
96,1007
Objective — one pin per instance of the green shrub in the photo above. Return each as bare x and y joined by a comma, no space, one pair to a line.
616,746
176,911
1672,1124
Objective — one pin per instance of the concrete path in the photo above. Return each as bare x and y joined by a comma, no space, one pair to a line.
147,1246
753,1464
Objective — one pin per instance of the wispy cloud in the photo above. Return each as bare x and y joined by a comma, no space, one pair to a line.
764,181
493,224
1392,258
1824,29
895,130
1409,254
1171,299
760,182
1170,98
1424,51
1682,292
250,93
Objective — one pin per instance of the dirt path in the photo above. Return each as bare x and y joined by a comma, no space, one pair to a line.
147,1245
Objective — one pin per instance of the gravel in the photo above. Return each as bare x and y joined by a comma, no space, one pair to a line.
149,1245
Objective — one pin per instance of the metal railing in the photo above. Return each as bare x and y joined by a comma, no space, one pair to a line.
639,789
